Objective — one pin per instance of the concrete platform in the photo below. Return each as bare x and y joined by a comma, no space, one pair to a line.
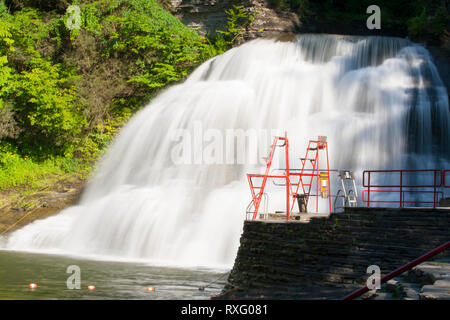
295,217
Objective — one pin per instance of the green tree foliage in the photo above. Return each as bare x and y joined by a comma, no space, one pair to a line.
418,18
66,92
238,20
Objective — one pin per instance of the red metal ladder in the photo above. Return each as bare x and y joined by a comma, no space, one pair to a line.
258,191
314,146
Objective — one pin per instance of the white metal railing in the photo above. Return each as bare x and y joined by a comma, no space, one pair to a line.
251,206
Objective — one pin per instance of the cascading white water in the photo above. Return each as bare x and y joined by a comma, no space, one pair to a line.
379,100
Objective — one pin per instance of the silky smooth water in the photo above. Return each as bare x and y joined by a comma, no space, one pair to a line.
379,101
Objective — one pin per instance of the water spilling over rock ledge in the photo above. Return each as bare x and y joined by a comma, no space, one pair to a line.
379,100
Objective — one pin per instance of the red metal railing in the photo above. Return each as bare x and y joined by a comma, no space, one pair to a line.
445,182
403,188
400,270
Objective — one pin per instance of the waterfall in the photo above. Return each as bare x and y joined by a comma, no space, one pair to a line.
172,188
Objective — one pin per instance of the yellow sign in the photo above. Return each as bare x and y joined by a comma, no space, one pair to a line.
324,185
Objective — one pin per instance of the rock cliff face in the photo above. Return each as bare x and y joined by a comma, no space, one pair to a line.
209,15
441,58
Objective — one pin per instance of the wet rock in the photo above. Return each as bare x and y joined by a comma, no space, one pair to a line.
417,275
411,291
41,204
383,296
392,285
439,290
369,295
208,16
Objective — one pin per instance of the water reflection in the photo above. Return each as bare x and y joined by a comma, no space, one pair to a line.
112,280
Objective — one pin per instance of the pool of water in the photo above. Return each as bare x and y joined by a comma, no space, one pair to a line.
112,280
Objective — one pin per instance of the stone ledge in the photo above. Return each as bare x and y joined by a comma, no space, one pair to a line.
333,252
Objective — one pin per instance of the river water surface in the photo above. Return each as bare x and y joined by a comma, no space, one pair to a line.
112,280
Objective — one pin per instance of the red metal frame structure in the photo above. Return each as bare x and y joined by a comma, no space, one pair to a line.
444,179
438,178
400,270
257,197
257,191
313,146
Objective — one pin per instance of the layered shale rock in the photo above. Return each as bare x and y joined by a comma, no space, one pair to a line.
208,16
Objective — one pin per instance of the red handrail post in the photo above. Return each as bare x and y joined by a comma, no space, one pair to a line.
368,191
434,193
329,184
316,163
444,183
288,181
401,189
